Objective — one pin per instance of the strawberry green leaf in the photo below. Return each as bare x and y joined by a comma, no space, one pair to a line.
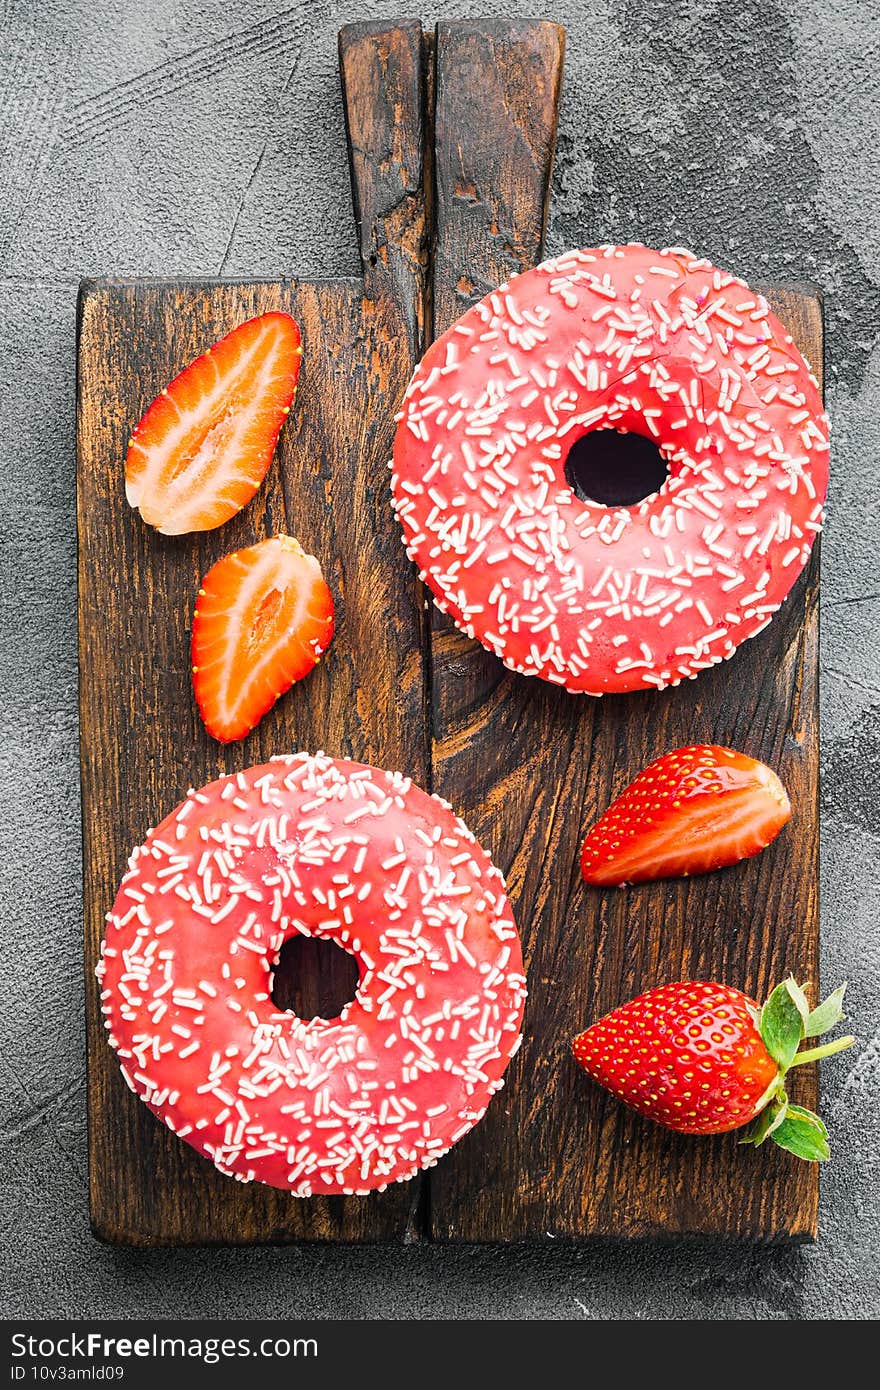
778,1118
799,998
769,1120
800,1113
826,1015
803,1134
782,1026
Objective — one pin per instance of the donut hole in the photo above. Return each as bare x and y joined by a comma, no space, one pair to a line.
614,468
314,978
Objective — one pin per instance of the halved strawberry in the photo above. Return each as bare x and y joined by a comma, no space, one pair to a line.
692,810
203,447
264,617
703,1058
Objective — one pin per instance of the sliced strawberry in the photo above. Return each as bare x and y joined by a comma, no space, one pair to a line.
702,1058
692,810
263,620
203,447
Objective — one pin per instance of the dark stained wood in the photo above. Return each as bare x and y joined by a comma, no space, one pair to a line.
530,770
383,72
530,767
143,743
497,102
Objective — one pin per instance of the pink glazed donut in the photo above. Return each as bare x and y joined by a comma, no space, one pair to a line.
364,858
598,598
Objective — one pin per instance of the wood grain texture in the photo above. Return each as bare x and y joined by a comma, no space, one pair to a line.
530,768
143,743
496,109
384,85
142,740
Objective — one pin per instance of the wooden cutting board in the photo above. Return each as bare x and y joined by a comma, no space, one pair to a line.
451,141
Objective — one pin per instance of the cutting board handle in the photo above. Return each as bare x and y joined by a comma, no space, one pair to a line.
485,185
383,70
498,85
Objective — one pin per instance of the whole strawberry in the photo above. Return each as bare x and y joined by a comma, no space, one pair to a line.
702,1058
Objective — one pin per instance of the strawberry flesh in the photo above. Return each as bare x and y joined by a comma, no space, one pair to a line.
204,445
687,1055
693,810
263,619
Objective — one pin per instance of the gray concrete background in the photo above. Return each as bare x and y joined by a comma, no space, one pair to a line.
162,136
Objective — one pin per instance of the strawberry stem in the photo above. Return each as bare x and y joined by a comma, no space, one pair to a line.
815,1054
785,1021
